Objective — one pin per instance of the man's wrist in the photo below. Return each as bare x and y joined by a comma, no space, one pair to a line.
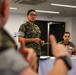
66,60
61,63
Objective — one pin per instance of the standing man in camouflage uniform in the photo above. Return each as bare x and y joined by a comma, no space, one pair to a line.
31,33
67,43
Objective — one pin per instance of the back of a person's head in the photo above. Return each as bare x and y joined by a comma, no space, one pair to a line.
4,12
31,10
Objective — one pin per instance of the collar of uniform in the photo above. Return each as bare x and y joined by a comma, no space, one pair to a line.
65,43
29,23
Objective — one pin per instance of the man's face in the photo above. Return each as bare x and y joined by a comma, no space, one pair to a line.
66,37
32,16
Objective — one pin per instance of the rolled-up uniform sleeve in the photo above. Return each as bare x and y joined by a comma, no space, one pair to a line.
22,30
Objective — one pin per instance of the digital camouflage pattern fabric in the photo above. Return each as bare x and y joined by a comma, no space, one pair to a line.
6,41
31,31
69,43
12,63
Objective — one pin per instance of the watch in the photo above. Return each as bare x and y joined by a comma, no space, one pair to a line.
67,61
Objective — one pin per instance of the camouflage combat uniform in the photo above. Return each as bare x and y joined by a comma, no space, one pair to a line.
11,62
6,41
31,31
69,43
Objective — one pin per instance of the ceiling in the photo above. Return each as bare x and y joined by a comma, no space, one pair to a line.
23,7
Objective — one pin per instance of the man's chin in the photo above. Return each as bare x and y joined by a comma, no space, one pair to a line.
67,40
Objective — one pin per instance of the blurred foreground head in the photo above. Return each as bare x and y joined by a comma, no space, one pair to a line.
4,12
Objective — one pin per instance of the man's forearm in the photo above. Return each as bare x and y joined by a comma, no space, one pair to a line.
27,40
59,68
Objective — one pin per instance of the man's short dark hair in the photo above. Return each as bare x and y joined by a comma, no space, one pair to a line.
31,10
67,33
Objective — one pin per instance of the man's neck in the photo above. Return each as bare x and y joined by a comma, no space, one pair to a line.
66,42
31,22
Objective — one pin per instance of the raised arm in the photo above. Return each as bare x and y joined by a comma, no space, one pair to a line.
60,52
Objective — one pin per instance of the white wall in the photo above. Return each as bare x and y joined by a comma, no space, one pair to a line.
71,27
15,20
74,30
68,26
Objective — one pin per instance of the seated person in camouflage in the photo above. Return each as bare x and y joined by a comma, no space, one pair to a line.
67,43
